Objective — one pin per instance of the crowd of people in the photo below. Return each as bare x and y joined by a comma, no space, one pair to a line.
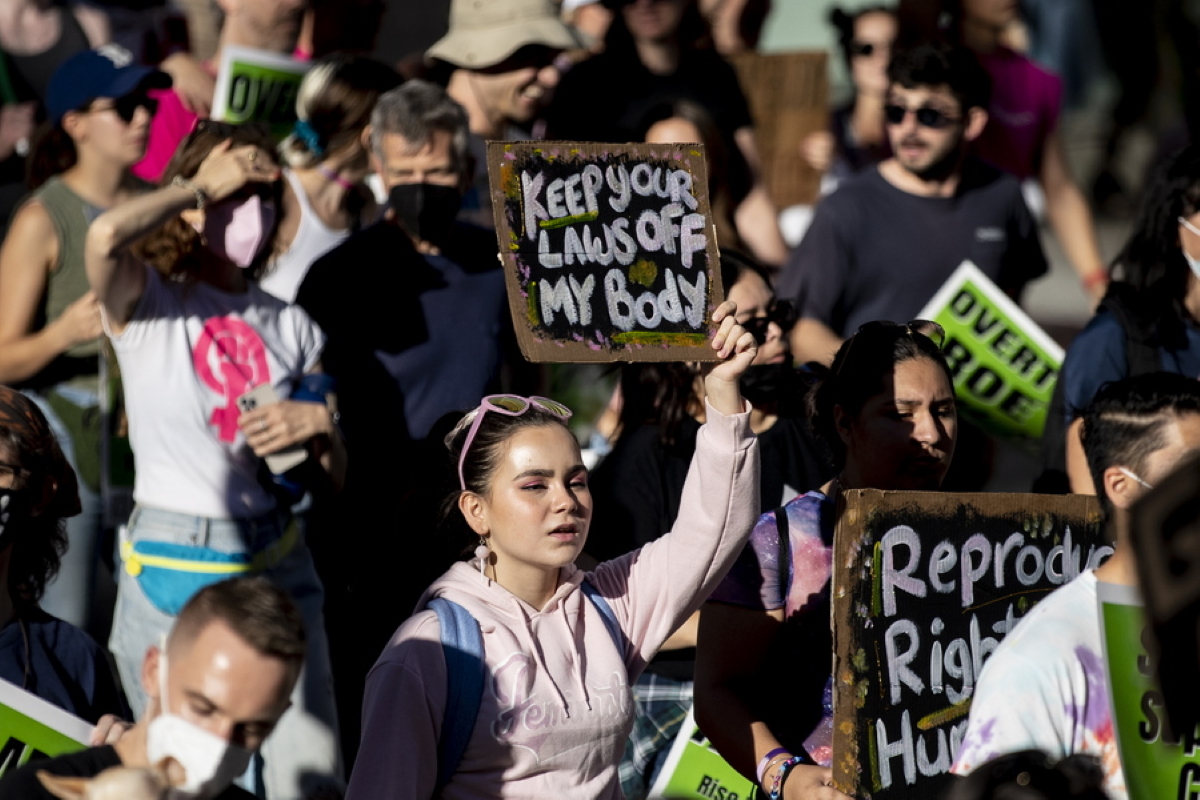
268,391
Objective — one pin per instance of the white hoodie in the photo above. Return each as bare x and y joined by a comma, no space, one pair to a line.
556,707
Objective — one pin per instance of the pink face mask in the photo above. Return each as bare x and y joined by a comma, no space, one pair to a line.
237,231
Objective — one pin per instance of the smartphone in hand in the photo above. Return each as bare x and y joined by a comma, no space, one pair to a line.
283,460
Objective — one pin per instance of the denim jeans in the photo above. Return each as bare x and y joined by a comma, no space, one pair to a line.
70,595
301,755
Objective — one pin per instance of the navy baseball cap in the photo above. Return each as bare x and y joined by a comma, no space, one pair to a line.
107,71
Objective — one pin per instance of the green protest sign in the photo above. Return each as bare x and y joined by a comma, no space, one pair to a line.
1156,763
258,86
30,727
1004,365
693,769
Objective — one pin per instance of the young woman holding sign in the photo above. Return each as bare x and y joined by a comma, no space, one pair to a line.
559,647
763,690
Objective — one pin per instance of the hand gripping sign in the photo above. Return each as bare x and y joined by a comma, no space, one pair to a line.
608,250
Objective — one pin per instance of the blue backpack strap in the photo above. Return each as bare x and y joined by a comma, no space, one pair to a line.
462,647
606,613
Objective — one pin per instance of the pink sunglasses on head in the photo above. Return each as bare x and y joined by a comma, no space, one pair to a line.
510,405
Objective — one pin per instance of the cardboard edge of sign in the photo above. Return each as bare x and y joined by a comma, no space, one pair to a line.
538,349
851,767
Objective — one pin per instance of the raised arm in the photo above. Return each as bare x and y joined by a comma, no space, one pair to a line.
26,258
655,589
116,276
1071,219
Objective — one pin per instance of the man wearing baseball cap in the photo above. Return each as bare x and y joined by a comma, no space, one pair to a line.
502,56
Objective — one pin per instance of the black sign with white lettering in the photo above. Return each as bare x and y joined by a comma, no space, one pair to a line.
925,586
609,249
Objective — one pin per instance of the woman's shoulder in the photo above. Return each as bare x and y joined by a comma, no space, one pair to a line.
801,515
415,643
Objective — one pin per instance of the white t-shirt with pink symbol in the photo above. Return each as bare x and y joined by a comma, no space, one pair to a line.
188,353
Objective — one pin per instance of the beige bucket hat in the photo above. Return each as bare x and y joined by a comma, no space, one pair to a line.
485,32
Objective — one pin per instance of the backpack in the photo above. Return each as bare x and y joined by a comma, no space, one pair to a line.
1141,357
462,647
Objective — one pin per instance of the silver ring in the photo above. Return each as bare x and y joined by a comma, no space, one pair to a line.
262,424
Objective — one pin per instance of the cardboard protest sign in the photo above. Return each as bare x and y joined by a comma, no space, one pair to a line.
1156,763
1165,526
925,585
694,769
1004,365
32,728
609,251
788,95
258,86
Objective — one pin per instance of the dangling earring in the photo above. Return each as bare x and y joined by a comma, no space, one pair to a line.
483,552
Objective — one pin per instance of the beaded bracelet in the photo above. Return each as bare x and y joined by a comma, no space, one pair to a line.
776,790
765,762
200,194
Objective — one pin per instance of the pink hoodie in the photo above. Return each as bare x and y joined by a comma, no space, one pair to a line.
556,708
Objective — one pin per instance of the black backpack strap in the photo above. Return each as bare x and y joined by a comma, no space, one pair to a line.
785,554
1141,339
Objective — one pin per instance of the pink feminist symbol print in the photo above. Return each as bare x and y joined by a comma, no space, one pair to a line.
229,358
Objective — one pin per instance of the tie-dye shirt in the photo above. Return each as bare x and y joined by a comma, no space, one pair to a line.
1045,687
801,655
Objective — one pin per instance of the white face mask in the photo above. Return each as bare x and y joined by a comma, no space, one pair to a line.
211,763
1194,263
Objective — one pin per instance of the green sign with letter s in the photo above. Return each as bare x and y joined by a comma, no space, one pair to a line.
1157,764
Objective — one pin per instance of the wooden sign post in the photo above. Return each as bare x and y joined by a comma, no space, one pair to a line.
609,250
925,585
788,95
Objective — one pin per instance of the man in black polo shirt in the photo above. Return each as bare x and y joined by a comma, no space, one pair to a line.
883,244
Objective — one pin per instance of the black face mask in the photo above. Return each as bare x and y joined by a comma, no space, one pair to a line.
427,211
768,383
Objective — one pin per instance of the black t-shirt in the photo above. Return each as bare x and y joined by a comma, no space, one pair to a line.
876,252
24,785
606,98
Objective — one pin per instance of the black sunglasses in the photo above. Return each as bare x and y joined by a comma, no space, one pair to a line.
864,49
926,116
535,55
781,312
126,107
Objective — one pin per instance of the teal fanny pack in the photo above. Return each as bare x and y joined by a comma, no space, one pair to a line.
169,574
